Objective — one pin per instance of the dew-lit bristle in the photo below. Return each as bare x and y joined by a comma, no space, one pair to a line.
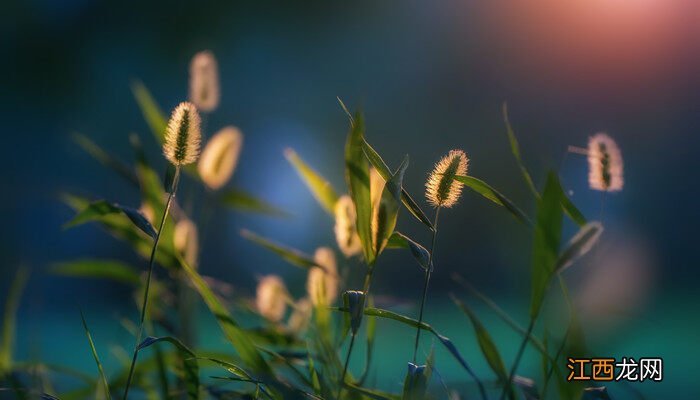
271,298
441,189
322,284
186,241
345,227
605,167
220,157
182,135
204,81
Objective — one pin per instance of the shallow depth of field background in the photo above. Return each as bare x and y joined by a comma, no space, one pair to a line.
430,77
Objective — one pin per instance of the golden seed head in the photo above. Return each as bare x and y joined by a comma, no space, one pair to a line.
441,189
186,241
204,81
345,229
220,156
271,298
605,167
322,284
182,135
299,320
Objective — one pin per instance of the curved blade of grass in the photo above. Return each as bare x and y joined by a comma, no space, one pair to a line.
486,344
571,211
415,384
152,113
527,386
371,333
494,195
244,201
101,208
388,209
102,269
320,188
398,240
237,337
357,178
189,362
9,320
288,254
579,245
281,357
371,393
515,149
376,160
105,158
103,377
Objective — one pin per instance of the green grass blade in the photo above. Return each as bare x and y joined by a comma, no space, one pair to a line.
371,334
378,163
371,393
494,195
398,240
100,208
579,245
9,321
388,209
515,149
288,254
357,178
188,359
152,113
105,158
103,377
100,269
320,188
571,211
243,201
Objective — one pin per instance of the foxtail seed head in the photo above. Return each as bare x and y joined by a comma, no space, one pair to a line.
182,135
604,164
322,284
299,320
345,227
186,241
220,156
271,298
441,189
204,81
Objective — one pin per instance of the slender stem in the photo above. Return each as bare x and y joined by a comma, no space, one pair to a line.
151,260
554,362
345,368
518,356
428,271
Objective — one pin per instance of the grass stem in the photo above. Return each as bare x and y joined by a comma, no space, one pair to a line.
428,271
518,356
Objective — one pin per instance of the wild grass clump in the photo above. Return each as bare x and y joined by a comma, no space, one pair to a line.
302,347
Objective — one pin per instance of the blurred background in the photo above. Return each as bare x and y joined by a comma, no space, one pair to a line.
430,77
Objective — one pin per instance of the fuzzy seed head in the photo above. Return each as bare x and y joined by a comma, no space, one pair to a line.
271,298
186,241
440,189
204,81
299,320
182,135
220,157
605,167
322,285
345,227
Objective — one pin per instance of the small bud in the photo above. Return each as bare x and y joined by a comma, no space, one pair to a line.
345,229
186,241
354,301
441,189
271,298
182,135
204,81
322,283
604,164
220,156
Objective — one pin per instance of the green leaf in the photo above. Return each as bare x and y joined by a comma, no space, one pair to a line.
546,242
288,254
571,211
357,178
371,393
101,269
371,334
100,208
384,218
105,158
515,149
320,188
103,377
579,245
152,113
495,196
378,163
9,320
188,359
398,240
243,201
237,337
416,382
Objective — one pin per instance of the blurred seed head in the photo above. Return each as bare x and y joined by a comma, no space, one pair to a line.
220,157
604,164
148,212
299,320
440,189
322,285
345,227
271,298
204,81
186,241
182,135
